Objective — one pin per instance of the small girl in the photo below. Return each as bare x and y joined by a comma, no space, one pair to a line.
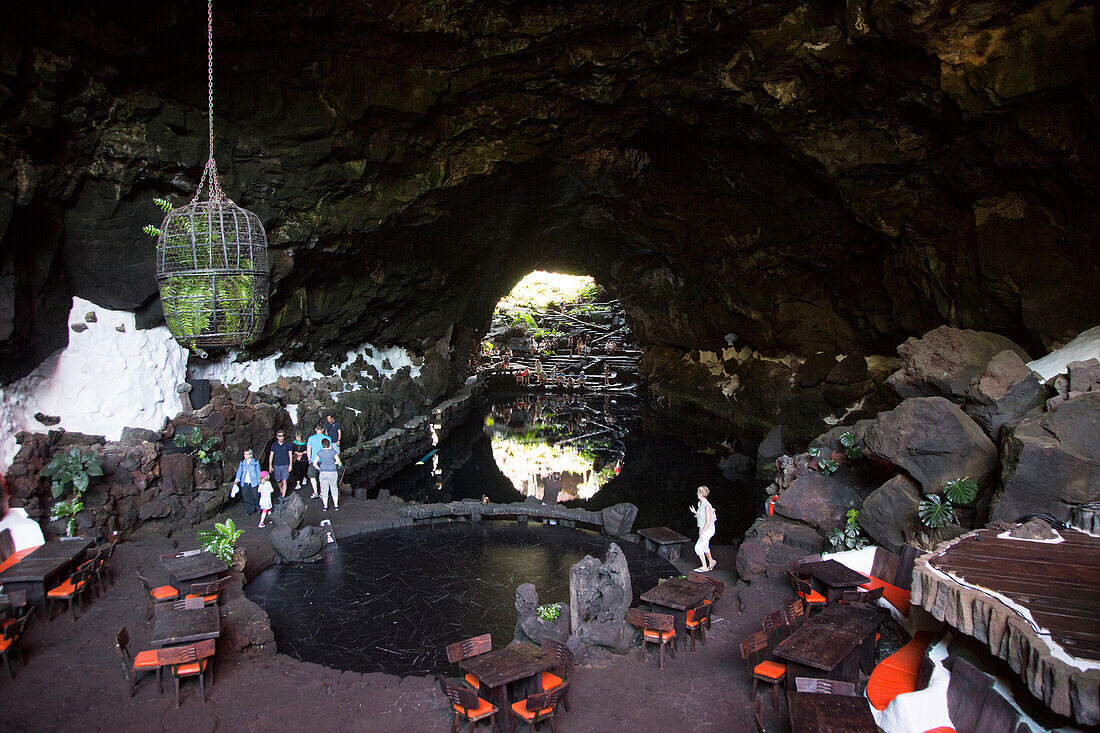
266,490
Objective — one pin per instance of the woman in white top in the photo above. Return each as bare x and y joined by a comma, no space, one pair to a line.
705,517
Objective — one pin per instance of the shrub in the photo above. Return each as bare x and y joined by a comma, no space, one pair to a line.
936,512
961,490
851,445
221,541
201,449
549,612
67,510
72,471
848,537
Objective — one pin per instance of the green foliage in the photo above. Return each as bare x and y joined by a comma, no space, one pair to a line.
523,319
848,537
67,510
588,293
202,449
827,466
936,512
961,490
72,471
549,612
851,447
814,452
221,541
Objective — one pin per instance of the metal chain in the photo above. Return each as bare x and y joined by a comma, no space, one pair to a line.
210,173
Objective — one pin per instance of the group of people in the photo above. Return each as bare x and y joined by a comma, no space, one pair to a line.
314,462
556,377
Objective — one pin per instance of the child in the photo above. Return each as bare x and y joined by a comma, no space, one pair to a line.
266,490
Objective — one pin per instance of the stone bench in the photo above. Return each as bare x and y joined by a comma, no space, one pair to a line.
523,511
665,542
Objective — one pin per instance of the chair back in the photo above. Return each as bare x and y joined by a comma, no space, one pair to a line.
559,650
122,641
753,646
7,545
658,621
144,582
823,686
174,655
801,587
794,571
718,586
795,613
461,696
213,588
18,600
776,626
15,630
698,614
635,617
546,700
469,648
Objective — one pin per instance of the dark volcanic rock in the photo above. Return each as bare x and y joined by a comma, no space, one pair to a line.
889,510
619,519
290,511
1051,461
818,500
933,441
295,546
1006,390
946,360
1084,376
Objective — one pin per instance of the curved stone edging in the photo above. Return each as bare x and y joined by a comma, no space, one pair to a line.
1064,688
521,510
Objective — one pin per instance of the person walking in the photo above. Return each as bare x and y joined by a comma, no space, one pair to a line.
301,461
313,447
705,518
265,491
279,462
333,430
328,465
247,480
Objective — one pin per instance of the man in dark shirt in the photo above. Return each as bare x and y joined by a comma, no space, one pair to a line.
333,430
279,461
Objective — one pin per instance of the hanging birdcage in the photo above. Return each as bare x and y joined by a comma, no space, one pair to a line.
212,258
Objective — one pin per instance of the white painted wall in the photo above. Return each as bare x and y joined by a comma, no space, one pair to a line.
110,376
1086,346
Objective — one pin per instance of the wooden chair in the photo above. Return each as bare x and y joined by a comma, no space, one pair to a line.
775,623
795,613
11,642
160,594
753,649
718,586
823,686
189,661
658,628
145,661
210,593
19,607
809,596
695,621
470,648
541,707
466,705
861,599
72,589
560,674
758,714
103,566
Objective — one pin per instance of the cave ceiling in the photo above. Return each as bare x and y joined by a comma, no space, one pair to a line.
791,176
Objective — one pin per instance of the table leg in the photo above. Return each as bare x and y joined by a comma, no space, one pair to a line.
499,697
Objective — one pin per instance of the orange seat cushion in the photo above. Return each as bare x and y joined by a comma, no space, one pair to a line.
473,681
65,590
898,673
164,593
183,670
771,670
812,597
655,635
941,729
212,598
4,644
895,596
146,659
484,707
550,681
521,710
16,557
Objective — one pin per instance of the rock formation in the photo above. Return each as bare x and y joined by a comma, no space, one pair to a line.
530,627
599,596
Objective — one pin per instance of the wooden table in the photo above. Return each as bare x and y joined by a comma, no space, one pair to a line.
45,568
513,665
676,596
199,568
834,576
665,542
813,712
183,626
832,642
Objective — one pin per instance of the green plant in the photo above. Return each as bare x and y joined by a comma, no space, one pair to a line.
221,541
193,441
549,612
827,466
936,512
851,446
848,537
67,510
72,471
961,490
814,452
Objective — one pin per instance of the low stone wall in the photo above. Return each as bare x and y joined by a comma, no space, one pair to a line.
520,510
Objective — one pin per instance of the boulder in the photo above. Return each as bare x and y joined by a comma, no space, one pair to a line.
889,510
818,500
769,450
297,546
752,560
1006,390
737,468
618,520
289,512
1050,461
177,473
934,441
1084,376
781,541
945,361
532,629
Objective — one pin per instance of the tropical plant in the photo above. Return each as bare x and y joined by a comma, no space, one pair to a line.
67,510
851,446
850,536
827,466
72,470
961,490
221,541
549,612
196,446
936,512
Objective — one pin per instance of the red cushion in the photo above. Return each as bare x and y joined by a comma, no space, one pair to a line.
941,729
771,670
484,707
207,600
473,681
550,681
521,710
897,674
164,593
895,596
4,644
812,597
65,590
146,659
656,635
183,670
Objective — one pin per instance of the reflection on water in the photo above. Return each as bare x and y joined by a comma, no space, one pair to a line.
588,452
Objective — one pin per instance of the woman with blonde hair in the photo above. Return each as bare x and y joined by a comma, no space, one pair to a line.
705,517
